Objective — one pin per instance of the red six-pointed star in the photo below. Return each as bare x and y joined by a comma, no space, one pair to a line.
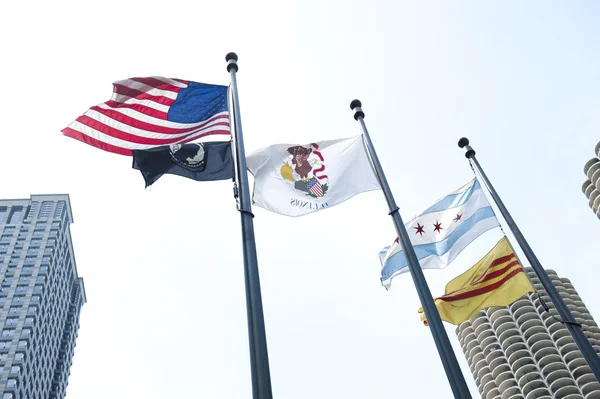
458,217
419,229
438,226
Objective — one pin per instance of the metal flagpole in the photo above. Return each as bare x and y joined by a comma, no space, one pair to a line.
259,357
565,314
453,372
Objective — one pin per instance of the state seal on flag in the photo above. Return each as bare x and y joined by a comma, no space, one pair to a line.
304,169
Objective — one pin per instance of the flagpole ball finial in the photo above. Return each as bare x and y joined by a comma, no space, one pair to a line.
464,143
356,105
231,59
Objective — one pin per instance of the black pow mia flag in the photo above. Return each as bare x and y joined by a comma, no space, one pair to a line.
198,161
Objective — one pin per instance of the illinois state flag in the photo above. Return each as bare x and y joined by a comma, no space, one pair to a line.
145,113
442,231
295,180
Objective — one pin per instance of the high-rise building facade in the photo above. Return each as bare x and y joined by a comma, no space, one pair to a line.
523,351
591,187
40,298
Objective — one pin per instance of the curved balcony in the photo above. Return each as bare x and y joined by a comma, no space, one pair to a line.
516,346
543,352
546,360
585,379
471,345
477,368
574,364
505,377
556,375
464,326
537,388
501,320
564,341
539,393
501,368
593,395
565,391
517,355
524,371
509,386
591,167
477,320
586,184
533,327
517,395
568,349
482,373
589,164
553,367
589,388
533,375
490,390
538,336
522,362
497,362
508,333
507,343
582,371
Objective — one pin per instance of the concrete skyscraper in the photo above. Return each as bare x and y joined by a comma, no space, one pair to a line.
40,298
522,351
591,187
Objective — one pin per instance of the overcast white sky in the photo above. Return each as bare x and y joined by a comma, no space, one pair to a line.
166,313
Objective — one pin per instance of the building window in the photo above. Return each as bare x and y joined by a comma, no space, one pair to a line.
36,241
15,215
9,230
12,321
14,310
15,369
59,210
8,333
46,208
11,383
5,238
8,396
38,233
2,214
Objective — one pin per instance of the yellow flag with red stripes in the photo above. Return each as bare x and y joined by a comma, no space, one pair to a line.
496,280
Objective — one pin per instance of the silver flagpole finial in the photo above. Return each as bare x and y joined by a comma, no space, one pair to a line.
231,59
355,106
464,143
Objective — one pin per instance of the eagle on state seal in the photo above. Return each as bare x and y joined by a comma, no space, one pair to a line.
306,170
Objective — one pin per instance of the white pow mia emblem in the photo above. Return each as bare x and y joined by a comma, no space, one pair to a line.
189,156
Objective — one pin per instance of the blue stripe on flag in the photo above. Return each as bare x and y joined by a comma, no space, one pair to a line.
453,200
398,260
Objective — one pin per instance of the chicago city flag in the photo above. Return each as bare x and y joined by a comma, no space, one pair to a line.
442,231
496,280
295,180
146,113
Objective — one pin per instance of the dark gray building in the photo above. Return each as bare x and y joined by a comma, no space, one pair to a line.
591,187
40,297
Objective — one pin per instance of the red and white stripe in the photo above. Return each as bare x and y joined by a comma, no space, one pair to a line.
316,189
135,118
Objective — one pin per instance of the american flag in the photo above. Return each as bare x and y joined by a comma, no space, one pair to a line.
145,113
314,187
